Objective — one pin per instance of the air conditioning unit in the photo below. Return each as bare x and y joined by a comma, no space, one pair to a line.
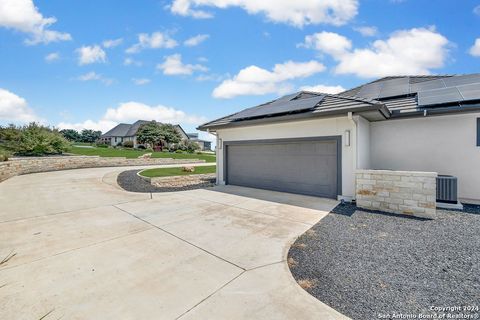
447,187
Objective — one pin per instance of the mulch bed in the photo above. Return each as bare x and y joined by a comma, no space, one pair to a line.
130,181
367,264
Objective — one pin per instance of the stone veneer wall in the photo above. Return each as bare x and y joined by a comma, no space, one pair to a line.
18,166
183,181
401,192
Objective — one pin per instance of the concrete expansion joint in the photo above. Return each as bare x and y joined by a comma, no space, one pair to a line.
211,294
179,238
75,249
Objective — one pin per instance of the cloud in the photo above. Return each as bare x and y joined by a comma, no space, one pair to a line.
414,51
253,80
366,31
93,76
52,57
296,13
173,65
328,42
91,54
140,81
476,10
324,89
196,40
23,16
132,111
111,43
15,109
156,40
475,49
131,62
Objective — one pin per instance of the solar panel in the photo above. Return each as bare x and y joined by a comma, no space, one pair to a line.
395,87
470,91
462,80
282,105
439,96
427,85
370,91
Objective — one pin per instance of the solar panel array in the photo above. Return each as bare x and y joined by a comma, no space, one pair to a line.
434,92
458,93
285,104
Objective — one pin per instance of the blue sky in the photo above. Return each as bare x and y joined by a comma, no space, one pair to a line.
240,55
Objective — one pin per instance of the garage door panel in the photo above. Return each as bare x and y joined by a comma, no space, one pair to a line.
306,167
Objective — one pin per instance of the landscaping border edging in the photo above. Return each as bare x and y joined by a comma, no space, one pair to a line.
20,166
182,181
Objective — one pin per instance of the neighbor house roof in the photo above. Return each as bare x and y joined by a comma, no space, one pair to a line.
130,130
119,131
384,98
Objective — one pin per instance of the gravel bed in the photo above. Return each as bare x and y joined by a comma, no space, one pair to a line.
130,181
366,264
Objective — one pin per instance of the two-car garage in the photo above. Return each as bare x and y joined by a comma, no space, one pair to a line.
310,166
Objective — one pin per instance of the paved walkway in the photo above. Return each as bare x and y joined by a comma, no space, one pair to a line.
85,249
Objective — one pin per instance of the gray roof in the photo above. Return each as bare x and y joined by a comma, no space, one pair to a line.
118,131
130,130
384,98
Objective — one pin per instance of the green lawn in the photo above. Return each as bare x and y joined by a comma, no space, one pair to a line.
127,153
165,172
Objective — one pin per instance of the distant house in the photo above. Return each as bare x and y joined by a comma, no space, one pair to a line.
128,132
204,144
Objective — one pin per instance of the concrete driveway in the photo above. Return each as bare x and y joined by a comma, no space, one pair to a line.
85,249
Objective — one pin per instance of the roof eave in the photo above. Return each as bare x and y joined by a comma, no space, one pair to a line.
382,109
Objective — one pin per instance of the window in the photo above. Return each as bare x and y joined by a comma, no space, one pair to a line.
478,132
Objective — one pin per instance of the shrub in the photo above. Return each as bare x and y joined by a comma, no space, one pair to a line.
191,146
4,155
37,140
102,145
141,146
128,144
178,151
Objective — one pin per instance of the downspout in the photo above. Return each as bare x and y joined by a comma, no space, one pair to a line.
353,144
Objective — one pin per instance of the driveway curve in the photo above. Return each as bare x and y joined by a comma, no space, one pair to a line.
77,246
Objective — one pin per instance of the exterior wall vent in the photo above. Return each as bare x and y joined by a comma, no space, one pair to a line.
447,187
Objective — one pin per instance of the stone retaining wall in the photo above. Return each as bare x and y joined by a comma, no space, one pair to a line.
401,192
183,181
18,166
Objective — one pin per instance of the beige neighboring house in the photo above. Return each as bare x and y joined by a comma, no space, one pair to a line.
128,132
313,143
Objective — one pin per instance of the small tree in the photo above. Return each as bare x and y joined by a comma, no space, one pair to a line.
71,135
90,136
154,133
170,134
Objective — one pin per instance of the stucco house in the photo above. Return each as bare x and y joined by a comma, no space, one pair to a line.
128,132
313,143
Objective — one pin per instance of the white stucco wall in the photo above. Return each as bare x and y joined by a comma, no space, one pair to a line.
443,144
363,143
298,129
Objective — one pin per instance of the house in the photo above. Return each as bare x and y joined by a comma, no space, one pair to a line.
128,132
203,144
313,143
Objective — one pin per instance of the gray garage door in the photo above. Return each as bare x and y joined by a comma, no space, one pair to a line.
299,166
